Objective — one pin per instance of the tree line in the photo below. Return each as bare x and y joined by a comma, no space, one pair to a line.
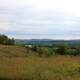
63,49
5,40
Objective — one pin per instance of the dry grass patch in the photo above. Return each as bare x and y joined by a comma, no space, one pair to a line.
35,68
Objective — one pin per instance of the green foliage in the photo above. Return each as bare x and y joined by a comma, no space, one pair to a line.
34,48
43,51
6,41
71,52
63,49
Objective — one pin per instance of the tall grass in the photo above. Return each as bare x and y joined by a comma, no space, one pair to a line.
35,68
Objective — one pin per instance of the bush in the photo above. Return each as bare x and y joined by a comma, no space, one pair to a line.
71,52
62,49
45,51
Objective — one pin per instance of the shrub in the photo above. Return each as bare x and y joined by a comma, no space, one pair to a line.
62,49
71,52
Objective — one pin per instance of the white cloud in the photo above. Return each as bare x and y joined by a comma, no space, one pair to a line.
40,16
68,7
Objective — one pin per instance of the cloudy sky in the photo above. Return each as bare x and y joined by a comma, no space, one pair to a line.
59,18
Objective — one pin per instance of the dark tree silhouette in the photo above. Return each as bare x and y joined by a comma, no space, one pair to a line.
6,41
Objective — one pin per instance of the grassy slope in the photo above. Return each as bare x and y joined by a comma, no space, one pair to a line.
36,68
12,51
56,68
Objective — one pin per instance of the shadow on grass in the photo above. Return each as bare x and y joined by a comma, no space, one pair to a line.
5,78
14,79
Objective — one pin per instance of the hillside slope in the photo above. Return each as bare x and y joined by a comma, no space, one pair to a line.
12,51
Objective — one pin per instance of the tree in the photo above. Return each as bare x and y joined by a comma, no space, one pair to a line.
62,49
6,41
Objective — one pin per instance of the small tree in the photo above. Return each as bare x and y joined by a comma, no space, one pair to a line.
62,49
34,48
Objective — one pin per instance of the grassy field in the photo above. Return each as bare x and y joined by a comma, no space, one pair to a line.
55,68
12,51
36,68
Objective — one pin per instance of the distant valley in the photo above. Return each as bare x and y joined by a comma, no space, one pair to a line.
46,42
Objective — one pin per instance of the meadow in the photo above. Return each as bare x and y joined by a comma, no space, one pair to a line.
35,68
15,67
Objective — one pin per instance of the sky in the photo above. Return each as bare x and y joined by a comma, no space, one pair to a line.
40,18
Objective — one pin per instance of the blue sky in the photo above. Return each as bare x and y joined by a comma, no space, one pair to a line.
57,17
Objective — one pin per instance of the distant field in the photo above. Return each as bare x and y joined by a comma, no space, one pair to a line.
16,65
54,68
